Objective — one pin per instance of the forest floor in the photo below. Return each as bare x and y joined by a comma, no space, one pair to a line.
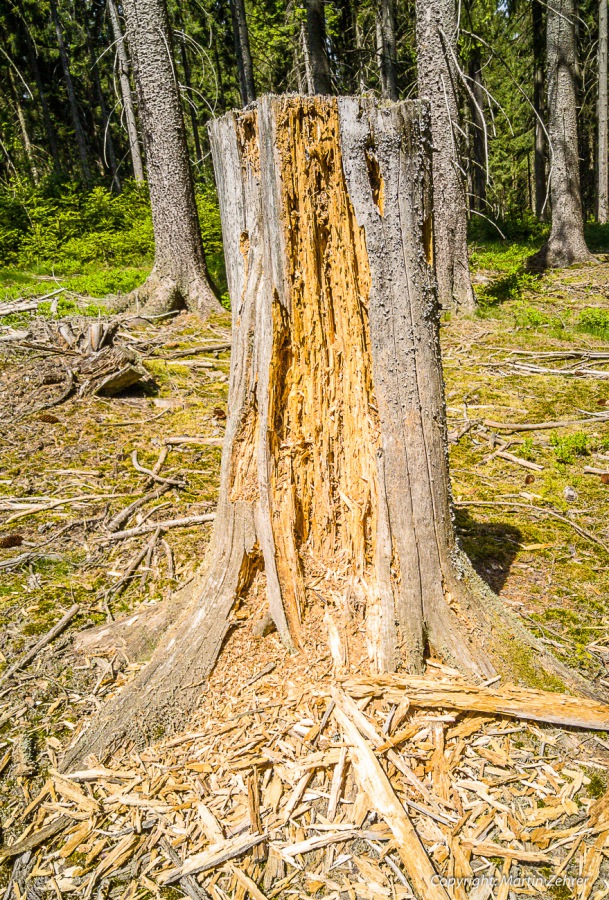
528,357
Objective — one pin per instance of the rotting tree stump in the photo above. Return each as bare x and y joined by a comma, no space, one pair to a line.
335,454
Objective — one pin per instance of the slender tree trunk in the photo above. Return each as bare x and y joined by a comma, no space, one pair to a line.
335,453
386,29
539,43
566,244
603,113
23,127
188,83
44,106
438,81
359,61
107,144
179,277
75,115
477,103
123,73
317,48
308,75
245,67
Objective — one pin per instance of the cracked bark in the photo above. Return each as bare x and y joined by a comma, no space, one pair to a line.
566,244
335,456
438,83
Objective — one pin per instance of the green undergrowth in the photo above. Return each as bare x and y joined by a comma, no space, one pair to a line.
92,244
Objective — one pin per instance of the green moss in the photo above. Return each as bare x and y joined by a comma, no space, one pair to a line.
598,784
526,668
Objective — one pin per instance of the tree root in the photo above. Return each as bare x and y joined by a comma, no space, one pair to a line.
163,293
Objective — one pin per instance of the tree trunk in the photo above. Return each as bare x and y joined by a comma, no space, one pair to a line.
123,73
477,103
192,110
320,82
603,113
387,52
566,244
335,453
44,106
243,53
437,72
539,42
75,115
179,277
107,144
25,135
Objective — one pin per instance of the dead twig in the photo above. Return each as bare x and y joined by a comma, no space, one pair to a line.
151,473
44,640
164,526
125,514
543,426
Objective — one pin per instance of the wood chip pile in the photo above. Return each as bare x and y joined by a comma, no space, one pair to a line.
367,788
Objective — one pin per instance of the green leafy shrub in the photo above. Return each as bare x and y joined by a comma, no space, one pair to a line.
569,446
95,243
529,317
525,450
594,321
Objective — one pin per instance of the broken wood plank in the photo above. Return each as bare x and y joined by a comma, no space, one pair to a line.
214,856
373,780
510,700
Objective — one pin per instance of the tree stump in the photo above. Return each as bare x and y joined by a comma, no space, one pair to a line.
335,457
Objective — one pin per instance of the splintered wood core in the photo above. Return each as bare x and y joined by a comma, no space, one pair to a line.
323,428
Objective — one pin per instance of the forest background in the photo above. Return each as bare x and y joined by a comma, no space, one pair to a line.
71,208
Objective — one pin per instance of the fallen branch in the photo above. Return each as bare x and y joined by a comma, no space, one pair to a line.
539,509
163,526
199,348
133,566
541,426
37,838
20,305
187,439
525,463
125,514
80,498
521,703
152,474
44,640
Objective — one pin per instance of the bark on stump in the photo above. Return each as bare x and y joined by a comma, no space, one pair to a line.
335,455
